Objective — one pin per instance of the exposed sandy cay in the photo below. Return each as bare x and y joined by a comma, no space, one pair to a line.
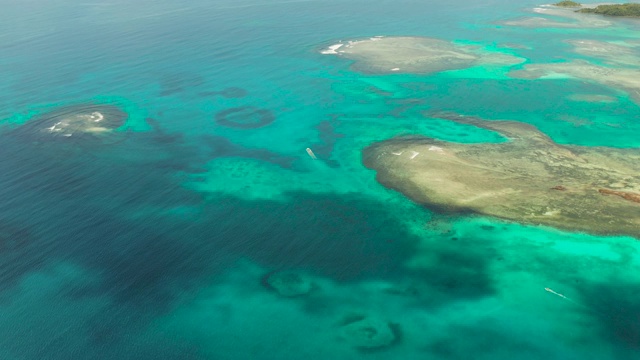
528,179
412,54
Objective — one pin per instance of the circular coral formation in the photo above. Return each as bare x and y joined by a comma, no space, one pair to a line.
368,332
289,283
245,117
75,121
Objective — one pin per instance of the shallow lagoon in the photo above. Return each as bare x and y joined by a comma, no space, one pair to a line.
156,242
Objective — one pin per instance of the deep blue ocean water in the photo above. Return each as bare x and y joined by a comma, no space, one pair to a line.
154,241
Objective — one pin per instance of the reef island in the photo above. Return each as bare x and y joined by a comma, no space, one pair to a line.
568,3
529,179
629,9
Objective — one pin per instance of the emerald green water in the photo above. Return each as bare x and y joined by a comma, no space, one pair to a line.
156,242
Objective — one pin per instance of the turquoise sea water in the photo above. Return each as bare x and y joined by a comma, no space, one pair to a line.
155,242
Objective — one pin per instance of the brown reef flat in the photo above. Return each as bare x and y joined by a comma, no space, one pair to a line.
529,179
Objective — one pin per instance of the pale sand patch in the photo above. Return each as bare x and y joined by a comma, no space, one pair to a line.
421,55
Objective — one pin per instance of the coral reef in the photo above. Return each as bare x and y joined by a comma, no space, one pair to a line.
245,117
529,179
73,122
368,333
627,79
625,54
413,54
289,283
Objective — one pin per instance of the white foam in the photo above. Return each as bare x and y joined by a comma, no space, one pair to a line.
415,153
331,49
97,115
395,69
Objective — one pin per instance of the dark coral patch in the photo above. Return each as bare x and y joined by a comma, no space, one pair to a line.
288,283
229,93
328,139
223,147
616,307
233,92
245,117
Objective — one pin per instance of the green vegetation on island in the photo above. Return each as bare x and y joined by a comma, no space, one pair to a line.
615,10
568,3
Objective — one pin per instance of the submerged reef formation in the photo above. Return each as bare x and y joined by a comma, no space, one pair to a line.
414,54
368,333
245,117
623,53
529,179
74,122
628,9
229,93
289,283
593,98
618,66
627,79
